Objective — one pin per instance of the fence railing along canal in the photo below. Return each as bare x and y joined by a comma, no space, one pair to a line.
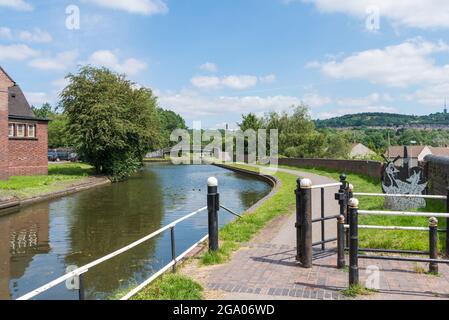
213,206
348,227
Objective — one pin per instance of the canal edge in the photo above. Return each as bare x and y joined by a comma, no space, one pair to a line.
269,179
13,206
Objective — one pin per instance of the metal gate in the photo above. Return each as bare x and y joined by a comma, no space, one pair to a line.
305,223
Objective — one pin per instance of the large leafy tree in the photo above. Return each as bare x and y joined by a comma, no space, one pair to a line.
57,130
111,122
169,121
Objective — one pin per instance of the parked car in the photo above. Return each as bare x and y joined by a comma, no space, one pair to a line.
73,157
63,155
52,155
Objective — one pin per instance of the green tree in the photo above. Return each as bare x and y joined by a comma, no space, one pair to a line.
111,123
250,121
169,122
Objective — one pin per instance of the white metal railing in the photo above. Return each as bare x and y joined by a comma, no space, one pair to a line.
86,267
399,195
329,185
394,228
404,214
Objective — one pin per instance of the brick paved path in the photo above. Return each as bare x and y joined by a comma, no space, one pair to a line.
266,269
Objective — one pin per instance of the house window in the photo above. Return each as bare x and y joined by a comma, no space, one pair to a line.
11,130
20,130
31,131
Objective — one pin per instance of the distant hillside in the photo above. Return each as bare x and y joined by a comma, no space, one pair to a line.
385,120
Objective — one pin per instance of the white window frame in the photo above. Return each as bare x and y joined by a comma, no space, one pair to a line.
11,125
34,130
18,134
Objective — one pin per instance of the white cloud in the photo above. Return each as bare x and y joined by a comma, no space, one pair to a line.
108,59
209,66
315,100
16,4
431,96
38,98
60,62
144,7
205,82
239,82
401,65
5,33
411,13
268,79
60,84
193,105
36,35
16,52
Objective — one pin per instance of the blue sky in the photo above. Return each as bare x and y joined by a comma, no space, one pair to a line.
211,61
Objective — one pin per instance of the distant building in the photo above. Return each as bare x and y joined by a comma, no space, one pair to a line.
414,153
359,150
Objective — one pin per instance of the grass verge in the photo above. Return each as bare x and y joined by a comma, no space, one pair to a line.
381,239
242,230
58,174
172,287
357,290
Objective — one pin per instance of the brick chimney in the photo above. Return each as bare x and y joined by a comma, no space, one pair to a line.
5,83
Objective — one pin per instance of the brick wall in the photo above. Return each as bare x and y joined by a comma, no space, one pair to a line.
437,172
28,157
5,83
368,168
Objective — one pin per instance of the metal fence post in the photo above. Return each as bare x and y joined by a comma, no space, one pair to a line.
173,247
341,242
298,219
433,244
306,222
323,223
354,242
81,287
447,225
213,205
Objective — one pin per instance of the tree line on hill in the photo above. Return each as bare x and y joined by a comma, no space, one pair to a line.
383,120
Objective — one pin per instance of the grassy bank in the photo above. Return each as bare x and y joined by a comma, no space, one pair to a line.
59,175
172,287
407,240
242,230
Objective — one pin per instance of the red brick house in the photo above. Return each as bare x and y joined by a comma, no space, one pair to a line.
23,137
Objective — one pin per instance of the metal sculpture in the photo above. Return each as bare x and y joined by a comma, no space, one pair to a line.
403,180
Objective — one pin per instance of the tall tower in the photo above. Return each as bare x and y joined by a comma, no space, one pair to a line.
445,106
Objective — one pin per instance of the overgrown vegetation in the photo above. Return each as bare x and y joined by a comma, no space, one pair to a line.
357,290
172,287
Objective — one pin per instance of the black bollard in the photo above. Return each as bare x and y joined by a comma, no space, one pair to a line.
298,220
213,205
341,263
306,223
433,244
353,242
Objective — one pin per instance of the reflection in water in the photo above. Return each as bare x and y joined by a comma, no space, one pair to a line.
46,238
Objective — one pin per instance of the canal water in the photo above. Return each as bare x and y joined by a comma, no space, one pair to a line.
38,243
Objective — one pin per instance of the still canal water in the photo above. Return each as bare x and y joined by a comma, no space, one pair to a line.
47,237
